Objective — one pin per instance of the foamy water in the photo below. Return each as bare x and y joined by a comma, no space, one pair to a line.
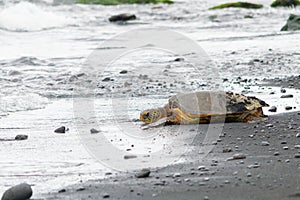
44,46
26,16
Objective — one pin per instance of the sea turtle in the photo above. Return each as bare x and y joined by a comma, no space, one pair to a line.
205,107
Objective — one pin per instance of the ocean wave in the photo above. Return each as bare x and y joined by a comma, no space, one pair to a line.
26,16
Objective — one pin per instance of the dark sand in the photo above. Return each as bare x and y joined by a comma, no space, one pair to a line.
267,172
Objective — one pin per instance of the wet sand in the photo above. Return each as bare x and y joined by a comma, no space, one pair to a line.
271,169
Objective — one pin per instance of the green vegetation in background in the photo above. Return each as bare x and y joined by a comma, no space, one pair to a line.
118,2
285,3
237,5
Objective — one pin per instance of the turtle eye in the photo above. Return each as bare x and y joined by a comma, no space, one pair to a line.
146,115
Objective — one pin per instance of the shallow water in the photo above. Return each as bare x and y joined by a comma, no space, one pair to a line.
44,47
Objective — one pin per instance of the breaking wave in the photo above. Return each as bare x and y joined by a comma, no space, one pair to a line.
26,16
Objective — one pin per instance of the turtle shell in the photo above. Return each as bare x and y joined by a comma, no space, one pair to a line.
214,103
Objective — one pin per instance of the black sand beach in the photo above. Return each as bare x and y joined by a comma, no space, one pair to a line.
271,169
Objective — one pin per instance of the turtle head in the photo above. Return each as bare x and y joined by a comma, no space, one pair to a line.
151,115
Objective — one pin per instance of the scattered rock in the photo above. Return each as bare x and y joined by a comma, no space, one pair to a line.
123,72
298,135
287,96
273,109
237,156
227,150
269,125
126,157
144,173
21,137
265,143
297,146
176,175
249,174
106,79
122,17
288,108
276,153
285,148
62,191
282,90
179,60
105,196
297,155
80,189
60,130
285,3
22,191
94,131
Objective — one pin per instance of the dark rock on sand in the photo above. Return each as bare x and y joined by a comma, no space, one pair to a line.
265,143
126,157
179,59
106,79
144,173
122,17
288,108
237,5
62,191
123,72
60,130
273,109
282,90
94,131
287,96
237,157
292,24
285,3
22,191
297,155
105,196
21,137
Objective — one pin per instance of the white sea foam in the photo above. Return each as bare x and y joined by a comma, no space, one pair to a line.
26,16
21,102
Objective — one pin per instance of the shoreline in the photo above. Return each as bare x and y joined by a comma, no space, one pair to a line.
269,171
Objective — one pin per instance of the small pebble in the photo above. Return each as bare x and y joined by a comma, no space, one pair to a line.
249,174
237,157
273,109
80,189
126,157
298,135
60,130
21,137
297,146
94,131
297,155
276,154
227,150
176,175
265,143
144,173
288,108
105,196
285,148
123,72
287,96
62,190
